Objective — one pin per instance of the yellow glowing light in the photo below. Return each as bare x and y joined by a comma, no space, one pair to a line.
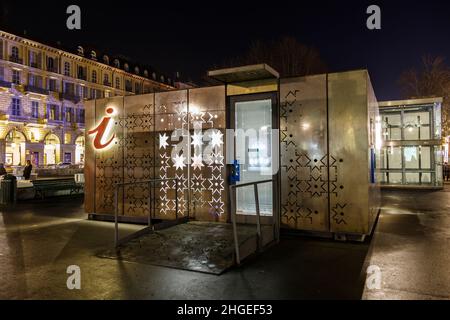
306,126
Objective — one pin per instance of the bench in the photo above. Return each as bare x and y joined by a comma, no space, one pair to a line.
41,186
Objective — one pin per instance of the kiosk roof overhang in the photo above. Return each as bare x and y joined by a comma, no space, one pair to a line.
245,73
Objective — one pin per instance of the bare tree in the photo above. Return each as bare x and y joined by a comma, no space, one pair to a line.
286,55
432,79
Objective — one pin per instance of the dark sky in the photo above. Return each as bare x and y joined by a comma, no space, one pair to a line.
190,37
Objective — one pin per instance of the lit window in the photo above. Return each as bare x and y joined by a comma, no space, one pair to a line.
35,109
67,138
67,69
53,112
94,76
117,83
69,115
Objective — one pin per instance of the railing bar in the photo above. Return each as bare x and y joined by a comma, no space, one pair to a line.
176,199
150,188
250,184
233,221
116,203
116,217
258,216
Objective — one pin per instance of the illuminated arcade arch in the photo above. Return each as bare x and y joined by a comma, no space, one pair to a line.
15,148
52,145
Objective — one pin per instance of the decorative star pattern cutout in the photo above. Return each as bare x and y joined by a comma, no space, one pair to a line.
216,138
197,139
197,162
179,162
163,141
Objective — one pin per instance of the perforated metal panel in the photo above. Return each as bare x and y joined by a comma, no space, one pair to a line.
304,161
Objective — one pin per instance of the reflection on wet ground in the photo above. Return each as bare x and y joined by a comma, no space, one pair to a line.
39,240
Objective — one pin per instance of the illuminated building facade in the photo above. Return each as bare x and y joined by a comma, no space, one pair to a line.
413,152
43,90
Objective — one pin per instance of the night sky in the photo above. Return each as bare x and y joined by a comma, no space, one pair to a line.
192,37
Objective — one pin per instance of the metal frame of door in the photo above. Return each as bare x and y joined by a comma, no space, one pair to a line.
231,123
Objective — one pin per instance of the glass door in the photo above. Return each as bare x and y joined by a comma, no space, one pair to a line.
253,124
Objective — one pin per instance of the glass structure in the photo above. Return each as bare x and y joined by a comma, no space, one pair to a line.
412,152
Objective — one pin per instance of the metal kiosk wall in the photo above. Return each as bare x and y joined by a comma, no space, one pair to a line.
328,143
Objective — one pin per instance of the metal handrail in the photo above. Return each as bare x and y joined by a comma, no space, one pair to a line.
151,184
234,214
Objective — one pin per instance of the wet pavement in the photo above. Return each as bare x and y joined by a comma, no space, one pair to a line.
39,240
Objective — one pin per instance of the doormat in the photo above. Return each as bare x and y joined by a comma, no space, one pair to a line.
197,246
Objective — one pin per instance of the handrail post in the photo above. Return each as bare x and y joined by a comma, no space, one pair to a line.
233,221
116,216
176,199
258,217
150,188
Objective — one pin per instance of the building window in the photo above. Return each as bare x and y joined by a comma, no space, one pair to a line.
35,109
67,157
15,107
99,94
81,116
94,76
53,112
137,88
117,83
69,115
128,86
15,52
33,59
16,76
51,64
85,92
52,85
106,79
67,69
81,73
69,88
34,80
